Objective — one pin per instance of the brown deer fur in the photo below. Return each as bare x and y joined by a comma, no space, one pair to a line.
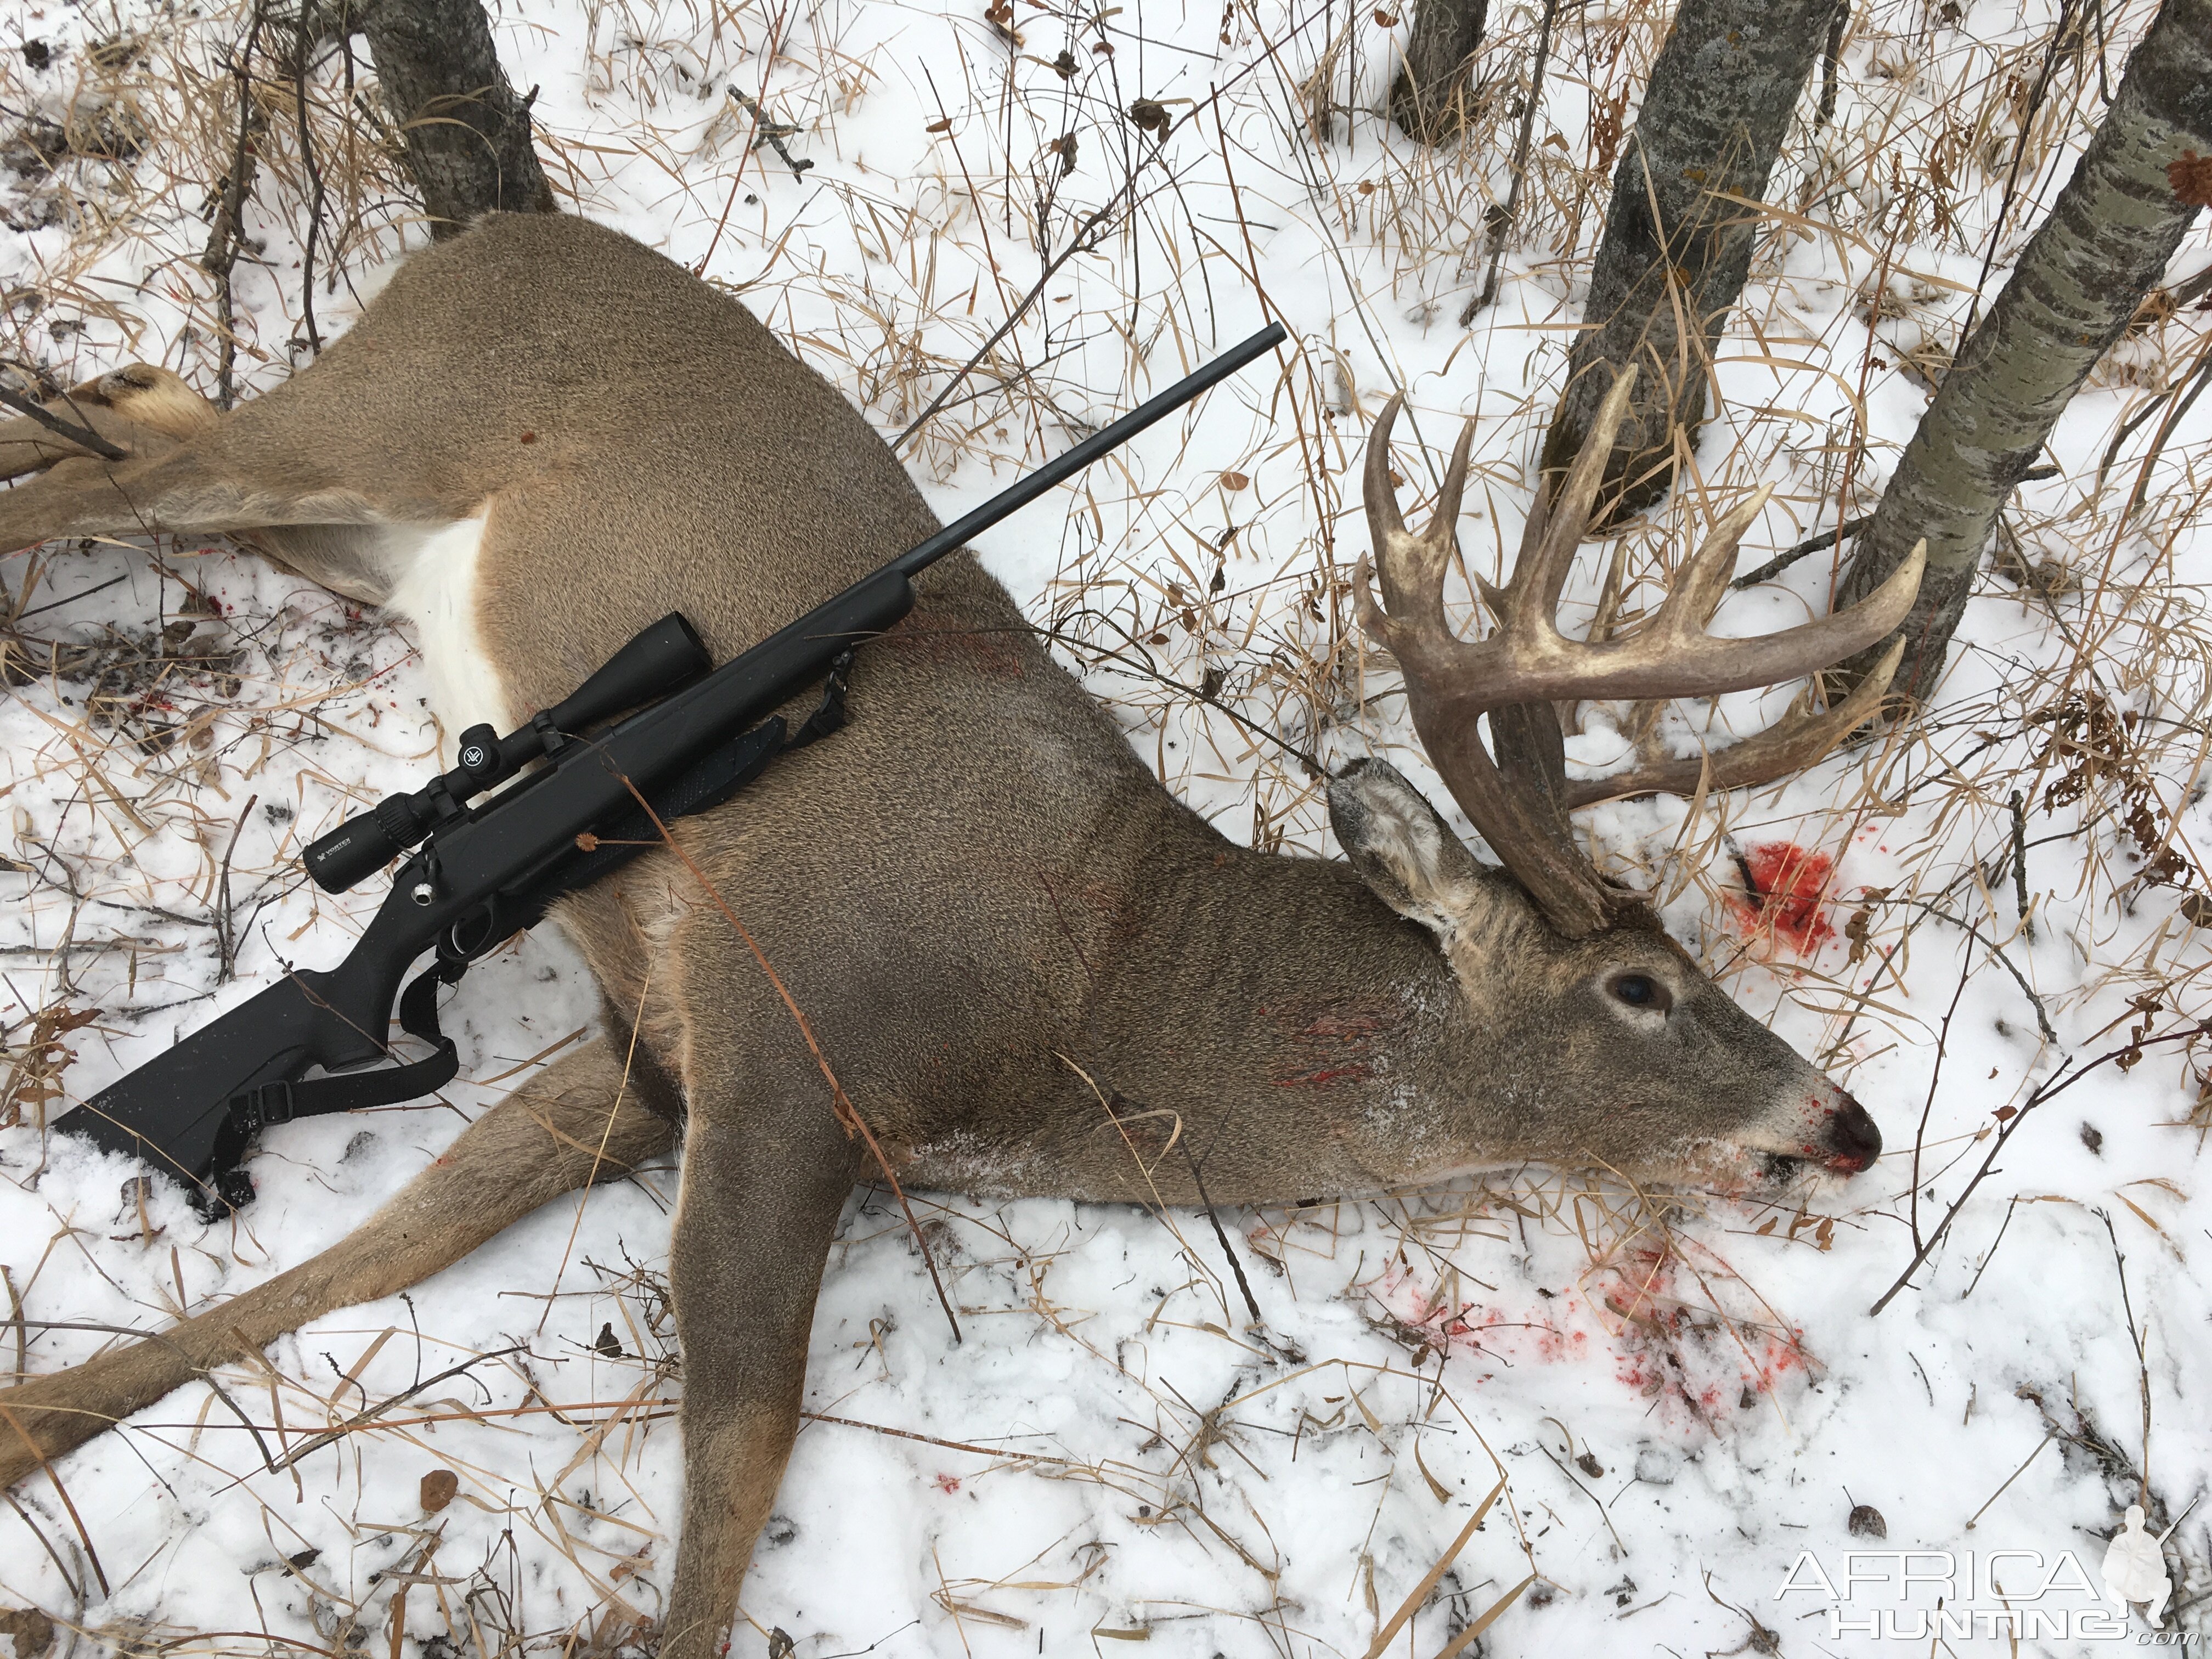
972,890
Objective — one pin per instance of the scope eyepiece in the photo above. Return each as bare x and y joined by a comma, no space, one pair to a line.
361,845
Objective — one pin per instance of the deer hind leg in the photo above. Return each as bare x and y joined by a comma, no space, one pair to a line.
184,492
140,409
762,1194
177,476
184,475
162,483
571,1124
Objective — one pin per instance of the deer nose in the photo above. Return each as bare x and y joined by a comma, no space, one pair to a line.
1853,1141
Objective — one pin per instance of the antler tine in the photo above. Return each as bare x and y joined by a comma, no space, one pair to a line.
1411,567
1673,656
1790,745
1679,659
1382,516
1548,549
1374,621
1703,581
1384,521
1445,524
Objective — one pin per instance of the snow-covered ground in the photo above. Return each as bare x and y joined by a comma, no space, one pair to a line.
1687,1399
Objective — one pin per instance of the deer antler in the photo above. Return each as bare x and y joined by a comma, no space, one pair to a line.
1790,745
1527,665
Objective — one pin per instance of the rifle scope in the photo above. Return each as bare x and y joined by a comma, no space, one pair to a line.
663,658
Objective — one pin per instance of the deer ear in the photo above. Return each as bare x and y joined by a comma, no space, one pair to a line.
1404,850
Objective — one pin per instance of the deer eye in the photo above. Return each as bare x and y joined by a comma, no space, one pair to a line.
1640,991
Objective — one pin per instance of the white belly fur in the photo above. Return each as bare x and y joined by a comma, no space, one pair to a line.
435,590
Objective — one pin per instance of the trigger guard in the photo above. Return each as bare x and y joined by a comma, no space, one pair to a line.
462,942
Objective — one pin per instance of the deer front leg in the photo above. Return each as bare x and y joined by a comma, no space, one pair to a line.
760,1199
571,1124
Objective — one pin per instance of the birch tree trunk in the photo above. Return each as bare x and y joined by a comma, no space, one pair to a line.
1425,99
2115,226
1676,249
467,133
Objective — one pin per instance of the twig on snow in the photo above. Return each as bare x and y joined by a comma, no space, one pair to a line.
225,938
1482,300
772,133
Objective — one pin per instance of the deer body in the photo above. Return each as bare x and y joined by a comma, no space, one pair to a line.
1033,970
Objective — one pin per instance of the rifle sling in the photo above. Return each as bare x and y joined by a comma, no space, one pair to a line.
282,1101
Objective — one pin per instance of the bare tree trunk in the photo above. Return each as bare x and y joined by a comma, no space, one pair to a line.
467,133
1676,249
2115,226
1425,98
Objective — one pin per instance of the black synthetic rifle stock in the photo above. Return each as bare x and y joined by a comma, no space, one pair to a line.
481,871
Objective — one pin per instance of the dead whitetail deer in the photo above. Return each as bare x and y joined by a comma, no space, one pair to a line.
541,438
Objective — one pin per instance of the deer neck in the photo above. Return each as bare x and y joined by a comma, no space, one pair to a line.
1274,1033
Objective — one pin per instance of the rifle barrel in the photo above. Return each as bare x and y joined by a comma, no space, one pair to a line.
916,559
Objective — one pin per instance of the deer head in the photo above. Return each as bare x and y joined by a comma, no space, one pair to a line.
1613,1043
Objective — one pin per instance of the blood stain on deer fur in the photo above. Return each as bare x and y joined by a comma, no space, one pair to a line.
1327,1076
1788,891
1336,1038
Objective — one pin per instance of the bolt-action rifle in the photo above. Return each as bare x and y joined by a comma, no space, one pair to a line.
473,875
